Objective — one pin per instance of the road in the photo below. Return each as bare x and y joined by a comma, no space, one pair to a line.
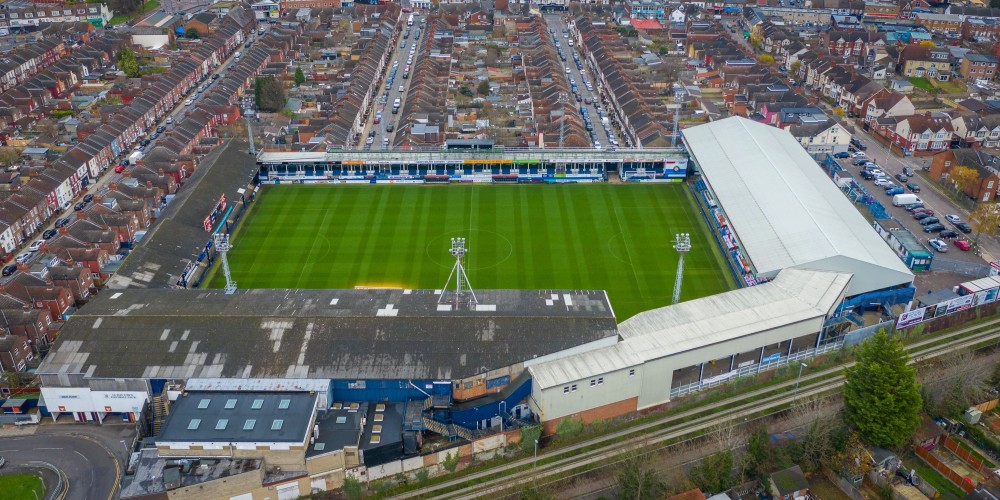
605,449
401,46
930,194
90,468
558,23
109,175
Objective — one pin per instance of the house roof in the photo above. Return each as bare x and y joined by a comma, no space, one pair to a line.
790,480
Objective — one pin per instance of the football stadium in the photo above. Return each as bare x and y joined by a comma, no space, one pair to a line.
617,238
343,302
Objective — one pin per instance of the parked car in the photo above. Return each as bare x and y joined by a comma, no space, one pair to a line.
22,258
952,218
963,245
921,215
908,171
88,198
893,191
80,206
860,154
860,162
933,228
866,175
948,234
938,245
925,210
188,103
35,245
929,220
902,178
119,169
62,222
9,270
215,76
842,155
964,227
913,187
49,233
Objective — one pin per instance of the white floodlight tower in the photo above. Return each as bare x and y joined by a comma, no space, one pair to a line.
462,286
222,246
682,244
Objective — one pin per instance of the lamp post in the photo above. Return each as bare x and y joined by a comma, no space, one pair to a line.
536,454
796,395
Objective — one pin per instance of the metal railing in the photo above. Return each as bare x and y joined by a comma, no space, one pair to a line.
754,369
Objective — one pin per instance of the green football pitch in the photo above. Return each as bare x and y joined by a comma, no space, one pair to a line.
617,238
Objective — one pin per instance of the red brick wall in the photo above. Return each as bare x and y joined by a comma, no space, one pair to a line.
600,413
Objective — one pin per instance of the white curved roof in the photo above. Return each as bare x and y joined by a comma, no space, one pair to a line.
785,210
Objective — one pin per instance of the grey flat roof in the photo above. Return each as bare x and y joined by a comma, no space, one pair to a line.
337,429
339,334
239,417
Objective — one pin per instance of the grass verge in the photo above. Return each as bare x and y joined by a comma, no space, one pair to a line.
21,487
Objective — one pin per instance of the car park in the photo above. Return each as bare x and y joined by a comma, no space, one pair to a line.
938,245
963,245
49,233
952,218
964,227
933,228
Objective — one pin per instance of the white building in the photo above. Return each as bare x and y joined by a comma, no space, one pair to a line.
784,211
672,350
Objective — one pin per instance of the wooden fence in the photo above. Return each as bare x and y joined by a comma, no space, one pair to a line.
944,469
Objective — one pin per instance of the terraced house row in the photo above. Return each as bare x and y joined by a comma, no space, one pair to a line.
52,186
637,105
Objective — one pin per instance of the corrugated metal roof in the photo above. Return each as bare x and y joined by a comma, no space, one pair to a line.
794,296
784,209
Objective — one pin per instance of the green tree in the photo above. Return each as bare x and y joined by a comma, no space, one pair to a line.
191,34
795,67
714,473
9,156
465,90
269,94
531,434
300,77
352,488
881,396
767,59
759,456
450,462
128,63
483,88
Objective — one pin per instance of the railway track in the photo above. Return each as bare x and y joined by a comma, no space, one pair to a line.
605,448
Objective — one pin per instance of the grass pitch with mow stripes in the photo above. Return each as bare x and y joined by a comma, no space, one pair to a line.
586,236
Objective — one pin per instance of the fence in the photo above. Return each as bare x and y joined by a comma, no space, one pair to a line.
956,266
843,485
943,468
753,369
858,335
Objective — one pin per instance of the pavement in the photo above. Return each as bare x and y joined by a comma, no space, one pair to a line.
558,23
932,194
89,456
